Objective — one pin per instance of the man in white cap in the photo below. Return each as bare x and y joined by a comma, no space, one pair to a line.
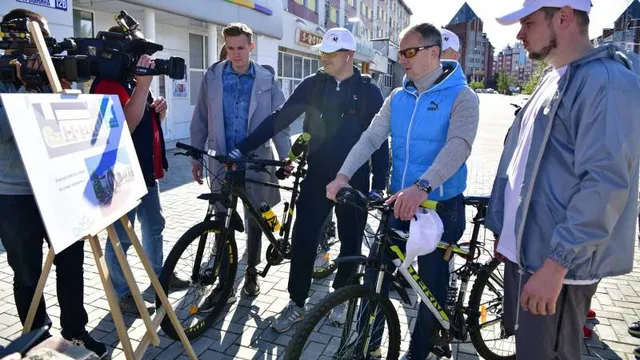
450,45
566,193
339,103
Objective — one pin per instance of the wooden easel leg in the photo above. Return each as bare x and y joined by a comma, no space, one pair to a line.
133,286
38,294
112,298
160,293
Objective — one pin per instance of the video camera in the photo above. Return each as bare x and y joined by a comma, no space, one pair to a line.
14,35
111,55
115,55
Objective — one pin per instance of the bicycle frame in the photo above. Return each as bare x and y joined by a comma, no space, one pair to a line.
233,190
382,242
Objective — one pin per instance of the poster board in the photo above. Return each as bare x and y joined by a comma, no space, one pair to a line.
80,161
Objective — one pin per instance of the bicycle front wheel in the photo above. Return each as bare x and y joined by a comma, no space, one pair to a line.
210,264
319,337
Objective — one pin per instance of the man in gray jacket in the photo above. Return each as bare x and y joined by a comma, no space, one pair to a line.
565,197
236,95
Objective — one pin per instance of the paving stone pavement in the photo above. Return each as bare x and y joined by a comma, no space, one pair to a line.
245,334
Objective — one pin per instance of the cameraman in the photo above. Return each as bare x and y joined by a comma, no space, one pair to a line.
22,228
144,115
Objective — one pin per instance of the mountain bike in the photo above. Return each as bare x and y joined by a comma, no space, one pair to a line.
211,243
316,337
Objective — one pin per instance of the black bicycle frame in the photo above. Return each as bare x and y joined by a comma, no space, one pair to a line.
232,190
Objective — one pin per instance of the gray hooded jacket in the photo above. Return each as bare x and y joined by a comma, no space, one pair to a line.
578,204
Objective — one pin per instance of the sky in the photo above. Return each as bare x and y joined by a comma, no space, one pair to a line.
603,14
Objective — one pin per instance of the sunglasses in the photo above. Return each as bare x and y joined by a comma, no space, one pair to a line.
332,54
412,52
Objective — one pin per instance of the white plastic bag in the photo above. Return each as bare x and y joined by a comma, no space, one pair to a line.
424,235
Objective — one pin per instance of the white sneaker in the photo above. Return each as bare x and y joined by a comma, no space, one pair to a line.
339,314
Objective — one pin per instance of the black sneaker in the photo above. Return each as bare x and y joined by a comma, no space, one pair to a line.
86,341
636,352
178,284
634,329
128,307
251,286
213,299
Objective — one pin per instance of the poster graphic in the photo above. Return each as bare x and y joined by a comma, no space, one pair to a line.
80,161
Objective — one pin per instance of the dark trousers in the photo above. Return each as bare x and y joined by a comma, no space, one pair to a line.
312,211
22,232
433,270
559,336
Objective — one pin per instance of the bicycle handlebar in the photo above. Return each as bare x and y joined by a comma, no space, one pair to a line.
196,153
354,197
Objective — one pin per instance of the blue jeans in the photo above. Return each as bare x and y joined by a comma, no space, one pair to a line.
433,270
152,224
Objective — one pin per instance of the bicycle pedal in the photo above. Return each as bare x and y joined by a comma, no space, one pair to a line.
442,351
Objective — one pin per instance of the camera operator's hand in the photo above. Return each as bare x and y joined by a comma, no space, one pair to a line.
145,62
160,106
66,84
33,64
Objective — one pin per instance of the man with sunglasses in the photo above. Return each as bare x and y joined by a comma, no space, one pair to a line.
433,120
339,103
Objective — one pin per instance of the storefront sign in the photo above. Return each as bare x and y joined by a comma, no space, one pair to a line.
54,4
307,38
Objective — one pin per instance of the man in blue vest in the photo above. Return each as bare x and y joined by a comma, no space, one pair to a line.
433,120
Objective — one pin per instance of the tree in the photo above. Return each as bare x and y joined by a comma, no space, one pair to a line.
530,86
503,82
477,85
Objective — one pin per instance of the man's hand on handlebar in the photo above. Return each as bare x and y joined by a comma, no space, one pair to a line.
341,181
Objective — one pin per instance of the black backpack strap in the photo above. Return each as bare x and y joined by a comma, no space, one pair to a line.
359,101
317,94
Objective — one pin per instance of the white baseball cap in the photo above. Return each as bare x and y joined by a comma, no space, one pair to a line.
449,40
336,39
531,6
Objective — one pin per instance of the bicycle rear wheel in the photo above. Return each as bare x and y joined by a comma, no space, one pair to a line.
317,337
199,255
486,329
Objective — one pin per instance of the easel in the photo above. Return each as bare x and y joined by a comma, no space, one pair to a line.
152,326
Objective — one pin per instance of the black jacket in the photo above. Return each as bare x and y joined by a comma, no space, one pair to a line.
336,117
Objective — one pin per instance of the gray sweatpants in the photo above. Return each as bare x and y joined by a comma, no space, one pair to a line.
556,337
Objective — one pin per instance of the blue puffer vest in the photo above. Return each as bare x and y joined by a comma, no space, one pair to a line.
419,125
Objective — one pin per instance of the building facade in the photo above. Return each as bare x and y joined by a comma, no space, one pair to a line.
626,30
285,32
515,63
375,24
476,51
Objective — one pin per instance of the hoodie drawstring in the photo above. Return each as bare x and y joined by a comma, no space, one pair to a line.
521,272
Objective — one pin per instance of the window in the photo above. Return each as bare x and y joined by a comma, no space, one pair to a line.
292,69
310,4
333,15
198,63
352,3
82,24
83,28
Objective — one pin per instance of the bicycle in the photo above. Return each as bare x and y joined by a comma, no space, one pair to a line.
204,271
365,300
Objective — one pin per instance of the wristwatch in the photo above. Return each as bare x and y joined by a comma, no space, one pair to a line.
423,185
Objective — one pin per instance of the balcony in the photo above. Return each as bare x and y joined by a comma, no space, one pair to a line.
302,11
